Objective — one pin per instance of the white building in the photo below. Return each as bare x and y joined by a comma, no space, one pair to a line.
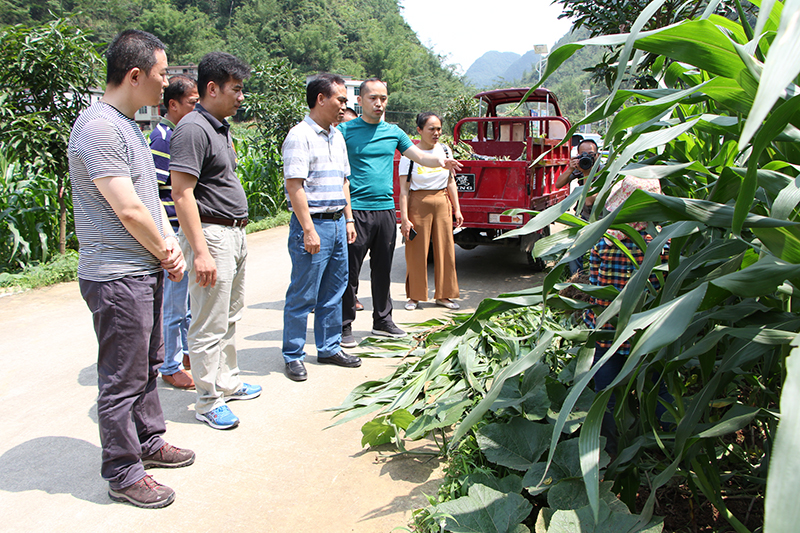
352,87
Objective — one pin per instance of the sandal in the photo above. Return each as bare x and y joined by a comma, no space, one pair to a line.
411,305
359,305
450,304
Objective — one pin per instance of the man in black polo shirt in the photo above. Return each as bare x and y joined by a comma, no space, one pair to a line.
212,210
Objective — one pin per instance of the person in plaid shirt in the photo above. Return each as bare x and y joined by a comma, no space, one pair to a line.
609,265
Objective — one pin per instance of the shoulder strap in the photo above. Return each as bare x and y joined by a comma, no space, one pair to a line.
410,166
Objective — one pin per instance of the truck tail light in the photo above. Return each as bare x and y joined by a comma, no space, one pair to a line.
497,218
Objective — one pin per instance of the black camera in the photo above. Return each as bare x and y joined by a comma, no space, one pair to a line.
586,160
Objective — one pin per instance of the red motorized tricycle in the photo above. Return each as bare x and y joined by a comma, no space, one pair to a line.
505,140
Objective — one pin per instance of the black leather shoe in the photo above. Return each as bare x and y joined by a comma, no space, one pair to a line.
296,371
341,359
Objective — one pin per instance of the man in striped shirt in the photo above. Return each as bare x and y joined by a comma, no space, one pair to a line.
179,99
316,168
126,243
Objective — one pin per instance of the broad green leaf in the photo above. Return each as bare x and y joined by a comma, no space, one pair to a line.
581,520
780,69
643,207
567,494
786,201
696,42
512,370
377,432
646,111
515,445
510,483
735,419
401,418
485,510
769,15
783,484
758,279
775,122
781,242
625,54
589,446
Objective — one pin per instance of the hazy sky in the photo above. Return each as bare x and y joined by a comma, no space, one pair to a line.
465,30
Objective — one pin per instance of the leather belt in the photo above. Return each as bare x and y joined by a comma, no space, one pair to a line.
328,216
234,222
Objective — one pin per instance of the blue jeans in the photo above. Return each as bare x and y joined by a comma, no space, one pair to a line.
318,282
177,317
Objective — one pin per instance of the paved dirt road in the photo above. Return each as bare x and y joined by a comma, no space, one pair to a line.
278,471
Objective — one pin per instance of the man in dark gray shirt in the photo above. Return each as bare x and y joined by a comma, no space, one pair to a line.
212,210
126,240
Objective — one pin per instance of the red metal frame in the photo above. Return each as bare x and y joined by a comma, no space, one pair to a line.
513,181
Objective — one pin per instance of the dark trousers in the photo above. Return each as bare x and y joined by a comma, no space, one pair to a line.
603,378
127,320
377,233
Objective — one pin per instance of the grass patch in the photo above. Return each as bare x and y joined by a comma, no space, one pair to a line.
281,219
61,268
65,267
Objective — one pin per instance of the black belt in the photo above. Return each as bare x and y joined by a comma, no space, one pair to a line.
234,222
328,216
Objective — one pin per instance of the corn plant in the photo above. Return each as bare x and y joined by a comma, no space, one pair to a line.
29,219
720,132
260,169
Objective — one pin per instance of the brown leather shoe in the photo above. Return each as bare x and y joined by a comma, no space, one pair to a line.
187,363
180,380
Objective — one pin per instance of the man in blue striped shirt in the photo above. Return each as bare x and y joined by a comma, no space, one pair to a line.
316,168
180,98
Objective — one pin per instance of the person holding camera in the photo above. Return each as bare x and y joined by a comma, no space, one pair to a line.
428,201
579,168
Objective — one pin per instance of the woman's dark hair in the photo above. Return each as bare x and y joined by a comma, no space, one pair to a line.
131,49
322,84
220,68
422,118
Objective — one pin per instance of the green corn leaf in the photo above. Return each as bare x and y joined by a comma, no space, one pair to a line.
780,69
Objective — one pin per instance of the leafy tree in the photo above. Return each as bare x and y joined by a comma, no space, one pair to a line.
276,100
45,82
188,34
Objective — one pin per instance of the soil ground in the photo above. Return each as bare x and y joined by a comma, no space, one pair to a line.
279,471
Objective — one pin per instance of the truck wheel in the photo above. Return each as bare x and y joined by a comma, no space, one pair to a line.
536,264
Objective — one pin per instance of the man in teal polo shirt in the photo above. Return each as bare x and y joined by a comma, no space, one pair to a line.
371,143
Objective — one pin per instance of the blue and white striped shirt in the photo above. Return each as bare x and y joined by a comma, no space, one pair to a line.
319,157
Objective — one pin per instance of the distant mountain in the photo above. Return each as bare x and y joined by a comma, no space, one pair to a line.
524,64
494,68
487,69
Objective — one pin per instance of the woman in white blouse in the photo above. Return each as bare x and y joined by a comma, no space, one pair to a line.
428,202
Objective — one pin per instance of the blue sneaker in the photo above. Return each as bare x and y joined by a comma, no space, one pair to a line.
219,418
245,392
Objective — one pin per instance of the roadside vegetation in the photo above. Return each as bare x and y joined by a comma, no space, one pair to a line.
44,84
506,392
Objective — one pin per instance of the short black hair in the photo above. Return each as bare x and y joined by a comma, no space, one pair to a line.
363,86
178,87
351,111
131,49
321,84
220,68
596,148
423,118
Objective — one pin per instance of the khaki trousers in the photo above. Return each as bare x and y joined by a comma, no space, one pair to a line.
432,216
215,311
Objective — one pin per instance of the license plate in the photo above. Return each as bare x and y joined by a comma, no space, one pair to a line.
465,182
